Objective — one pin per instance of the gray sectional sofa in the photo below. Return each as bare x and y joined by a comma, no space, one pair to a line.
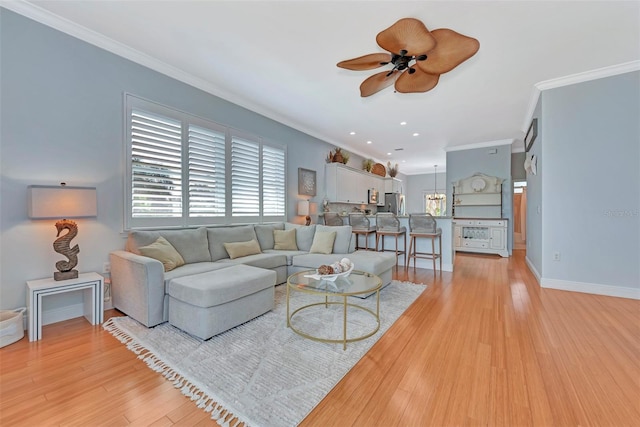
141,288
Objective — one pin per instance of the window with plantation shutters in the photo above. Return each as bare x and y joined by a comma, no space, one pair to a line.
206,172
183,171
156,169
273,181
245,177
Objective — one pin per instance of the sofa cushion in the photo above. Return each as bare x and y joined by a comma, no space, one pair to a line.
288,254
285,240
191,244
242,249
189,269
221,286
323,242
304,235
164,252
218,236
343,237
265,234
264,260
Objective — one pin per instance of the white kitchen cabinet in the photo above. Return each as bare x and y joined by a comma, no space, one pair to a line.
346,185
392,185
481,235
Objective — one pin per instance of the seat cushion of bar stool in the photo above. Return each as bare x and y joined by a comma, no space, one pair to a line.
391,232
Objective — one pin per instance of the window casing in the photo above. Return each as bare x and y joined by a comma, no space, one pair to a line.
184,171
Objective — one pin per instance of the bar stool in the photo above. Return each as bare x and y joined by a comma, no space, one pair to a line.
424,225
360,226
332,218
387,224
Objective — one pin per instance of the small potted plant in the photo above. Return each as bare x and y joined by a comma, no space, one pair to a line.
367,164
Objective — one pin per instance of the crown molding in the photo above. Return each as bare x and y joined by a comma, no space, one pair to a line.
480,145
94,38
585,76
598,73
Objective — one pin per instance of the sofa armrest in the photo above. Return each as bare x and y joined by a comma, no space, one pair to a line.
137,284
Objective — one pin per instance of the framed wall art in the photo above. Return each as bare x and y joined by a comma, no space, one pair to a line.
306,182
532,132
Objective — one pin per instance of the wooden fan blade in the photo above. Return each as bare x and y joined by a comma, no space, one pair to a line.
451,50
407,34
416,82
366,62
377,82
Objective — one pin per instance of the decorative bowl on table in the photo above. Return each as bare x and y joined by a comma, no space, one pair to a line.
344,268
331,277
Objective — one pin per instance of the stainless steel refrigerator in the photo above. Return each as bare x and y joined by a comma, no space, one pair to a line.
393,202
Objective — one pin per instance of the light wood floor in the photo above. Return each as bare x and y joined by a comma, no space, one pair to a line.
482,346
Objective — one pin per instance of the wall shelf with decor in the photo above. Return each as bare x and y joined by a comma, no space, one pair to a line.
478,196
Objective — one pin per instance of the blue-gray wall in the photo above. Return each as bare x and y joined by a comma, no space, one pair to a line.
62,120
590,171
534,199
492,161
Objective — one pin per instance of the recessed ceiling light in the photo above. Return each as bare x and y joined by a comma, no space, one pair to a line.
388,154
368,142
403,123
416,134
404,161
352,133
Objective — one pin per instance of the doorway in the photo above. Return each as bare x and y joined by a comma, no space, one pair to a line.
519,214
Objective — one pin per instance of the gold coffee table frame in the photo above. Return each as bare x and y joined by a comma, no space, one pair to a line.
357,283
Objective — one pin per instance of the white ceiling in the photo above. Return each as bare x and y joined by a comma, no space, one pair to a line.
279,59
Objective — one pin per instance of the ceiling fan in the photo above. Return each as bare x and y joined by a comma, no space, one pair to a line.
418,57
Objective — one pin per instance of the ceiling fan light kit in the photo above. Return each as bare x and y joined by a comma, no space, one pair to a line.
418,57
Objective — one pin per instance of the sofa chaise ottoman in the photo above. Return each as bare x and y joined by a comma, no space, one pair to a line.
207,304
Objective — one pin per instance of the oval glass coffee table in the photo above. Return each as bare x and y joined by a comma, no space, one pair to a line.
357,283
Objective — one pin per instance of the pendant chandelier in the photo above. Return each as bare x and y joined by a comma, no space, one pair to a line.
435,195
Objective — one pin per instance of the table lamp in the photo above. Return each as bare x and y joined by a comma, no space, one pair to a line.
51,202
303,210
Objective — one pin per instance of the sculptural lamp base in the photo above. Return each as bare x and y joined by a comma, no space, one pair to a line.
65,275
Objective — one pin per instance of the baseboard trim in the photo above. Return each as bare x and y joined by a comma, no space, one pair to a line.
532,268
63,313
591,288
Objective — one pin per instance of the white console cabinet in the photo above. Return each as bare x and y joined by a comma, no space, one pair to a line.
481,235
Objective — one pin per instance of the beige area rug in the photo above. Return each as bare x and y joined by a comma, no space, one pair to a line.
261,373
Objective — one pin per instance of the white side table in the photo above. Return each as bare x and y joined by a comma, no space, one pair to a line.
92,285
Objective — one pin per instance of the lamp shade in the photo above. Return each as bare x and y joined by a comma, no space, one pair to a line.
62,202
303,207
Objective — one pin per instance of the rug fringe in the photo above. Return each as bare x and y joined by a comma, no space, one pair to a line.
210,404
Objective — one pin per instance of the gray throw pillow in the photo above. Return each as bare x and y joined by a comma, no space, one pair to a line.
218,236
191,244
304,235
265,234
